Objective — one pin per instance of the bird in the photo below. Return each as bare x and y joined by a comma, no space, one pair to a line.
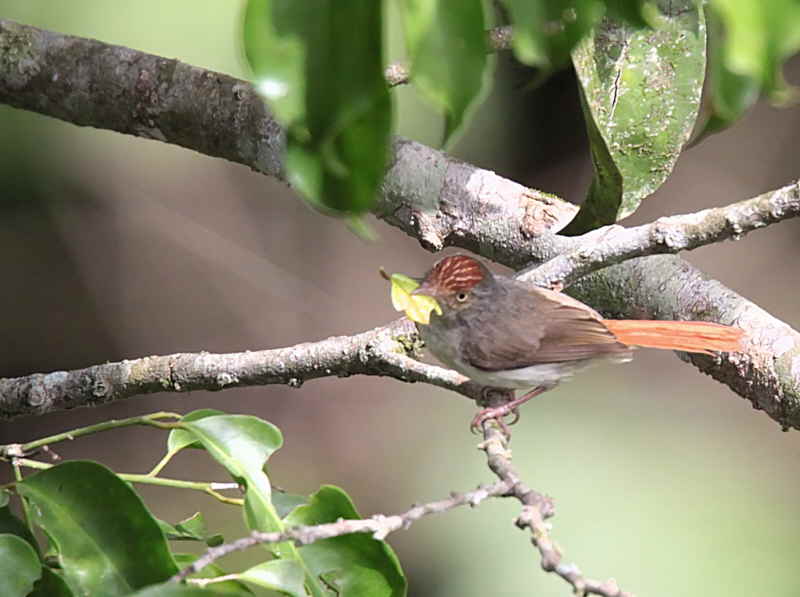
505,334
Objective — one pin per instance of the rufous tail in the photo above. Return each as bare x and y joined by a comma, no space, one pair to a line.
689,336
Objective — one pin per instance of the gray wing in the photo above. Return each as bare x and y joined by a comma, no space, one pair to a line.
550,328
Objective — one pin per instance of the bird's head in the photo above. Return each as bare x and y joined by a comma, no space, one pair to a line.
453,281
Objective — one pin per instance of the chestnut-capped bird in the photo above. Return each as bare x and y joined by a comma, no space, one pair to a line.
503,333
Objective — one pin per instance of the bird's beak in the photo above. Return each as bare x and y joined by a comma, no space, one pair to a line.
425,289
416,300
422,301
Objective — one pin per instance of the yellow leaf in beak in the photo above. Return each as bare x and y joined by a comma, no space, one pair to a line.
418,307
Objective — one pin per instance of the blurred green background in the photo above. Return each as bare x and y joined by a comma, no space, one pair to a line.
113,247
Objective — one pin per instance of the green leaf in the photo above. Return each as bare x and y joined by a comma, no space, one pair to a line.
51,584
284,576
190,529
319,65
242,444
639,13
450,64
11,524
107,542
213,570
546,31
730,94
353,564
640,90
286,502
759,37
19,566
180,439
749,42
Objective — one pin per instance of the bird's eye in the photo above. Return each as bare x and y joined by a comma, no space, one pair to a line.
461,297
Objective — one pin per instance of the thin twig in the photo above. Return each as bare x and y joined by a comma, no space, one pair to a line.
20,450
379,526
614,244
536,509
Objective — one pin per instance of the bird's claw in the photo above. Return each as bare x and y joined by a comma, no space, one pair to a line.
496,413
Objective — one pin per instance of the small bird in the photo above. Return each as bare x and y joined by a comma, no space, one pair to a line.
503,333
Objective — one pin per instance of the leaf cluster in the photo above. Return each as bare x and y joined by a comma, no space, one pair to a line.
101,539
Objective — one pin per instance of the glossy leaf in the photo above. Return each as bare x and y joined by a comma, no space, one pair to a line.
242,444
640,91
639,13
19,566
190,529
213,570
10,523
319,65
106,540
286,502
450,64
417,307
546,31
353,564
750,41
180,439
730,95
284,576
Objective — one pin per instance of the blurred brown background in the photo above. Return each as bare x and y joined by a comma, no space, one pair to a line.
113,247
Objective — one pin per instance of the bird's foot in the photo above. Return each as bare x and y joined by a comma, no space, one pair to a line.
497,413
500,412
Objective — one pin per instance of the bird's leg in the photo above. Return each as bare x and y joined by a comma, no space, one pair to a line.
498,413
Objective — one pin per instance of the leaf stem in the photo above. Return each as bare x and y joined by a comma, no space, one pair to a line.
151,419
205,487
161,464
26,514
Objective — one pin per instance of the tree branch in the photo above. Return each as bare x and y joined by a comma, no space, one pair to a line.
434,198
615,244
536,509
379,526
767,372
90,83
382,351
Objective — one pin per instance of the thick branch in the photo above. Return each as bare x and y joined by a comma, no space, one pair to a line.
438,200
379,526
665,287
382,351
536,509
90,83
